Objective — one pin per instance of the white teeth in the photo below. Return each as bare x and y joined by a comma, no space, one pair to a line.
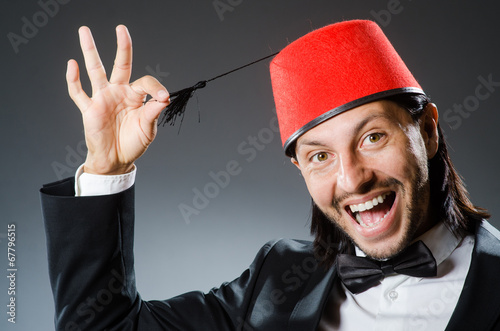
368,204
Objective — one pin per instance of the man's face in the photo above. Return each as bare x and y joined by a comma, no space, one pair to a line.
366,169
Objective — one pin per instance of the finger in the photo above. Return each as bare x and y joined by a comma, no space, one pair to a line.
152,111
93,63
149,115
77,94
123,60
150,85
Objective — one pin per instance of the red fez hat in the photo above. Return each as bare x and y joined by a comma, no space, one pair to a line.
334,69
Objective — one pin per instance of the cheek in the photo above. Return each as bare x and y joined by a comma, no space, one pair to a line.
398,166
321,188
405,159
417,157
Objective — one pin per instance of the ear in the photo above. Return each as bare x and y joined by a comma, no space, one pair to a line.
429,130
294,161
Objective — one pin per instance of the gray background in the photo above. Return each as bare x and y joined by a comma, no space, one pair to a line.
448,45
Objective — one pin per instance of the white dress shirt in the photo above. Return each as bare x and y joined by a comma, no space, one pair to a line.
402,302
398,303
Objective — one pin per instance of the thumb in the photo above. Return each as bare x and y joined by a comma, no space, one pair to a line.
160,97
153,108
150,113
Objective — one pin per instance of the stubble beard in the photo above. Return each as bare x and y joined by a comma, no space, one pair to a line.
414,211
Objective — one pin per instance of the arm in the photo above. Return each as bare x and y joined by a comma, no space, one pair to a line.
89,243
90,249
90,239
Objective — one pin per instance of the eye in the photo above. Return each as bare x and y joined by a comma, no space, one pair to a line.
320,157
373,138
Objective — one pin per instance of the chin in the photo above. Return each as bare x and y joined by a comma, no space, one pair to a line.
389,244
385,249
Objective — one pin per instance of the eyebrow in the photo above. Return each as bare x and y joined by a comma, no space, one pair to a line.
357,128
368,119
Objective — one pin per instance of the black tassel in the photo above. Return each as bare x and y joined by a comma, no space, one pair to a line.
179,99
178,103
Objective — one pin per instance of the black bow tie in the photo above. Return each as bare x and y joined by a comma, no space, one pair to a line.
360,273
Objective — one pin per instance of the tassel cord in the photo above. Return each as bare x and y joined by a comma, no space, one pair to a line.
179,99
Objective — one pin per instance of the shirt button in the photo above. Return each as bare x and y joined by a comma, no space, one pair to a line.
393,295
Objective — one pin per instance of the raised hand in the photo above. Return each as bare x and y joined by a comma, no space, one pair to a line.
118,125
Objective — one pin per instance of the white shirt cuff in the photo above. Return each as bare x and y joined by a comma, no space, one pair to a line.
89,184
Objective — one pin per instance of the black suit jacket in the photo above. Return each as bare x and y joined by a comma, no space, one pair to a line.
90,252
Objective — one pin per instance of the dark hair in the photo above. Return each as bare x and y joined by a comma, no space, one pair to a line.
450,199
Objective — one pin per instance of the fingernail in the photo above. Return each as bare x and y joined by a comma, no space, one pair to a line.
162,94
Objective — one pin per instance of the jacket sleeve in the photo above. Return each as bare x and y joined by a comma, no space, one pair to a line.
91,266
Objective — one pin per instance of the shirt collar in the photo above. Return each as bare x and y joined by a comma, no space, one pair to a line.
441,241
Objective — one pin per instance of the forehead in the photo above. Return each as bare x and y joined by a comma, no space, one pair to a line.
351,121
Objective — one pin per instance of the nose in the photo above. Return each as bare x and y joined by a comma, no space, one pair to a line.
355,175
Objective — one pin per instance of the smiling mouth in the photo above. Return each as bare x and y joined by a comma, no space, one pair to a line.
372,212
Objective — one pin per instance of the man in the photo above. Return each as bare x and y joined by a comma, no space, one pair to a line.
367,142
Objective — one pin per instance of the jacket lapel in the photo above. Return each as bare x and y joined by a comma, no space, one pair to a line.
478,307
309,308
